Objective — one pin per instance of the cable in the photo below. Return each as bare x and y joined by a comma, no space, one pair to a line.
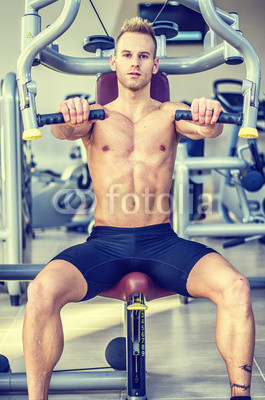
160,12
99,18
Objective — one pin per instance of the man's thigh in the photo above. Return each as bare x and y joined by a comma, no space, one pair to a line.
210,275
61,281
168,260
100,261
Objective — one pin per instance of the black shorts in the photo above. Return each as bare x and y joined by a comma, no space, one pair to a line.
156,250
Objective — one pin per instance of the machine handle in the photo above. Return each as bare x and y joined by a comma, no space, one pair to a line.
57,118
224,118
52,119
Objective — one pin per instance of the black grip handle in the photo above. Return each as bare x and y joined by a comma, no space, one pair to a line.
52,119
234,242
224,118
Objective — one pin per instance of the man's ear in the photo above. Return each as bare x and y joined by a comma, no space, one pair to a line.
113,62
156,66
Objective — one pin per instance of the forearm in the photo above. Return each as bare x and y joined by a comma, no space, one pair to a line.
68,132
76,116
210,131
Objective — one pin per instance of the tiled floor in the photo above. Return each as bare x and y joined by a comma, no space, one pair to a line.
182,358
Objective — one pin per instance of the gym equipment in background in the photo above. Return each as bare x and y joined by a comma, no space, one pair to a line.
241,195
63,200
67,199
15,185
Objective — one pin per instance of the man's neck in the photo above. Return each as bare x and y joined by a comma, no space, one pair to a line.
133,102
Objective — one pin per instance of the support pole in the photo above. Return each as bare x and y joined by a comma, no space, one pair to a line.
68,381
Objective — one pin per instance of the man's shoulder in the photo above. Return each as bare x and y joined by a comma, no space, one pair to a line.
172,106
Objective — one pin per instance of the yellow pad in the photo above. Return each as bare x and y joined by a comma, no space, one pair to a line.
248,133
137,306
31,134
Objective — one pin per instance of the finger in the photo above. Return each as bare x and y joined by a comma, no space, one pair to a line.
209,111
72,111
86,110
107,114
195,110
216,112
65,111
78,105
202,110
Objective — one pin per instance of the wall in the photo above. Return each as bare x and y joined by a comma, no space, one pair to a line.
52,86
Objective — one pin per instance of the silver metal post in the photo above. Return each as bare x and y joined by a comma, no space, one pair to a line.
21,272
11,181
236,229
181,211
27,91
161,46
68,381
251,86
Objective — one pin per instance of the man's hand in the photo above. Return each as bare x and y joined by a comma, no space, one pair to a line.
205,111
76,116
76,111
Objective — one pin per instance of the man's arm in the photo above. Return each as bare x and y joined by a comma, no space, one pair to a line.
205,113
76,115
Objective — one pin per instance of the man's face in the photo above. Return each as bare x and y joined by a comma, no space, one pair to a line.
134,62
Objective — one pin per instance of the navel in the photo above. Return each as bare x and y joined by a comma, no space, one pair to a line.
105,148
162,147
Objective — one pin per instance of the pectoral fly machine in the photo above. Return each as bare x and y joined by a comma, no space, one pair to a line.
18,105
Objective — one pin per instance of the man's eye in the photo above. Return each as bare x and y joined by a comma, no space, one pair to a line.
143,56
127,55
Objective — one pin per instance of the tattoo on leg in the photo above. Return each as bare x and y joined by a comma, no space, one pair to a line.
246,368
239,386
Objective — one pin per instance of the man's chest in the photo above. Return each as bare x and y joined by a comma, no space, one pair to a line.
152,134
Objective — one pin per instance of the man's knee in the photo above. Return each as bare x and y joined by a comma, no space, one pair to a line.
57,284
235,296
43,297
47,292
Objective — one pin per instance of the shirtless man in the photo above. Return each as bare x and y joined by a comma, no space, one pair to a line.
131,157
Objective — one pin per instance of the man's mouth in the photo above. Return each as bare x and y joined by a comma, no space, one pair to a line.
134,73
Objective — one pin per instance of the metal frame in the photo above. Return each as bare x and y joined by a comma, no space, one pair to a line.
184,166
68,381
211,58
11,232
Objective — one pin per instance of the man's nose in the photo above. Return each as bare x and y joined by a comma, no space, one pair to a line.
135,61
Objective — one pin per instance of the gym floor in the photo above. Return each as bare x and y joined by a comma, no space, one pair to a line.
182,358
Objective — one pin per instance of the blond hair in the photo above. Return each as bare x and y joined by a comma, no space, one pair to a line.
137,24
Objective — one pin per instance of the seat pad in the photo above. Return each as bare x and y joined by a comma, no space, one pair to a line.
136,282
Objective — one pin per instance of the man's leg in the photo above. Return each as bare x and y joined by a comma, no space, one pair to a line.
56,285
213,277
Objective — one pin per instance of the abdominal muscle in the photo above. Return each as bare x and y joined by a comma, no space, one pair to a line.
131,196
